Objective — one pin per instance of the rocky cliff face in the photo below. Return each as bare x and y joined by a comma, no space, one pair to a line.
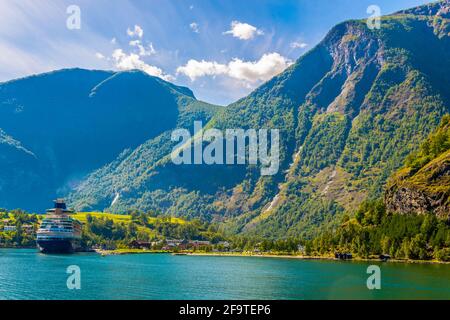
438,9
423,186
408,197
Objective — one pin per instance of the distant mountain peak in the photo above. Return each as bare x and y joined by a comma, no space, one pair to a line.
132,77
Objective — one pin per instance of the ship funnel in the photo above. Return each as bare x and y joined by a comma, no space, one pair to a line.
60,204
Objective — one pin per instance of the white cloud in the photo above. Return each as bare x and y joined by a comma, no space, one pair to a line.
133,61
99,55
136,32
264,69
143,51
243,31
194,27
113,40
195,69
134,43
296,44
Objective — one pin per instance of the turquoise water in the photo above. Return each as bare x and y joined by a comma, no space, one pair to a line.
26,274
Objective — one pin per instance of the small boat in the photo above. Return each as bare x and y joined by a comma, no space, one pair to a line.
384,257
343,256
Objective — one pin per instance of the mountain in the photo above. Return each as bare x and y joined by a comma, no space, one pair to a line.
349,112
423,184
382,93
56,128
412,221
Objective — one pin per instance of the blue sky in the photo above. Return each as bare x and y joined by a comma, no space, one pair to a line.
222,50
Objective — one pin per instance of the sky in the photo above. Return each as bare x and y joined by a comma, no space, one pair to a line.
221,49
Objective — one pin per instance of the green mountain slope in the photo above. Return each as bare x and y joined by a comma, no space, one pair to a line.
349,112
423,185
57,127
413,221
391,96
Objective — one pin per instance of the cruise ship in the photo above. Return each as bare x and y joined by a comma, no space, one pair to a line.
59,232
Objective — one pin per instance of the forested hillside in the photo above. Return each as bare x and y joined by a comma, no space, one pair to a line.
349,111
413,221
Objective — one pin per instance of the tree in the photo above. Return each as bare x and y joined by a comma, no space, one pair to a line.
428,226
418,248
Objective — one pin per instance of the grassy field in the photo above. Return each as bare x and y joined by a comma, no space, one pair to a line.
126,219
82,216
117,218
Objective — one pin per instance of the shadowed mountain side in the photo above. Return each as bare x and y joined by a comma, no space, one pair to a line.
74,121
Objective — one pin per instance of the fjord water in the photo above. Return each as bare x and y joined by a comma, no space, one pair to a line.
27,274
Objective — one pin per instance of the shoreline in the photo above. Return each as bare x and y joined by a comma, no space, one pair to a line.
263,255
119,252
327,258
245,254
